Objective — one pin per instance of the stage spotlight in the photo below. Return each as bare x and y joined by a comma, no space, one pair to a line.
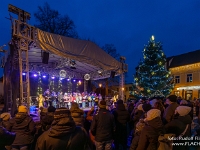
44,76
35,75
74,80
72,64
53,77
79,82
68,79
23,73
61,79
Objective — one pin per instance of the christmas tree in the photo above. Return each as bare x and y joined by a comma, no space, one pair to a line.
152,78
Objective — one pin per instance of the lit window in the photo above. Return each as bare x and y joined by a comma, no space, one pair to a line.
177,79
189,77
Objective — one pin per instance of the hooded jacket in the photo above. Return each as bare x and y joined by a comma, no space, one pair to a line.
178,125
24,127
77,114
61,132
149,136
121,119
103,126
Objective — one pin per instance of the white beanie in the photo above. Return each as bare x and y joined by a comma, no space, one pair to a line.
183,110
153,113
152,102
140,107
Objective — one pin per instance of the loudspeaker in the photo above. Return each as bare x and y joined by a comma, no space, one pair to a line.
45,57
112,74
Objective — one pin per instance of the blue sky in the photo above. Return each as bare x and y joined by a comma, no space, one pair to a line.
127,24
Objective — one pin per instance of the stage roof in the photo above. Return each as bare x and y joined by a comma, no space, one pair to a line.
66,53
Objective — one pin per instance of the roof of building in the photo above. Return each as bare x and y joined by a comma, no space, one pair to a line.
184,59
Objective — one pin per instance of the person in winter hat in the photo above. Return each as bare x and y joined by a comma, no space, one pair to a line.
24,127
149,135
5,121
181,122
103,127
77,114
63,134
183,110
122,118
170,110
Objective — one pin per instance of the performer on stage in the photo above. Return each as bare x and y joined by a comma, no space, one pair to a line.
54,99
96,100
84,99
80,99
40,100
47,95
89,100
60,99
66,100
93,99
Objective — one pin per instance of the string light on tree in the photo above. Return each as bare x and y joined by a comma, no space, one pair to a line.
151,74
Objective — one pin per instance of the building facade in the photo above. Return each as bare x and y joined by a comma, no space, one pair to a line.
186,71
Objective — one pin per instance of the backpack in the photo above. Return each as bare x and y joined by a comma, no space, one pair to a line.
166,140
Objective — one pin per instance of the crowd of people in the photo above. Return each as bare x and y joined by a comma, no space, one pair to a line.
103,128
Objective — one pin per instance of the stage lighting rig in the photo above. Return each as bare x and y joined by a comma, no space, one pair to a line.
72,64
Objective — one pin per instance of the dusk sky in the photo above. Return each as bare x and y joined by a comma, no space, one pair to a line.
127,24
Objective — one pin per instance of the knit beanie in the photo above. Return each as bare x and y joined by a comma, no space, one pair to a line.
5,116
140,107
152,102
120,101
62,113
172,98
183,110
153,113
146,107
51,109
23,109
102,104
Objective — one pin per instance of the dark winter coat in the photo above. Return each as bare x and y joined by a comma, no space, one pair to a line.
24,127
149,136
138,114
103,126
169,112
6,138
77,115
47,120
121,118
61,132
177,127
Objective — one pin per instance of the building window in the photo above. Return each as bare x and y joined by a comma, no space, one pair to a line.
177,79
177,93
189,77
188,95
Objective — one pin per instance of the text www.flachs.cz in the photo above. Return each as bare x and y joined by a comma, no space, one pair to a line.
187,144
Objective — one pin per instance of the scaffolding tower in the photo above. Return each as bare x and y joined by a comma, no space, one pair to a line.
23,34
